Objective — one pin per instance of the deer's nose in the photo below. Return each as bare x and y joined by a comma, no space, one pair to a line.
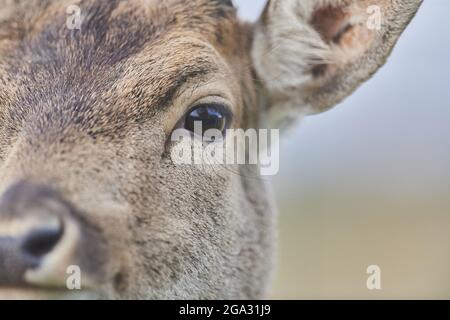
37,235
41,240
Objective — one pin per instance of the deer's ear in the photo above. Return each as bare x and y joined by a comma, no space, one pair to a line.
311,54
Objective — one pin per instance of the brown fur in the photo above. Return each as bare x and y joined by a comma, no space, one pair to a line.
89,112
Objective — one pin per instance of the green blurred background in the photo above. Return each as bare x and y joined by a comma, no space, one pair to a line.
368,183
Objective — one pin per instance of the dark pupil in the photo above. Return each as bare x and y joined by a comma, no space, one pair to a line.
210,117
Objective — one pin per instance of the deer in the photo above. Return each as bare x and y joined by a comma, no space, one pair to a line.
86,115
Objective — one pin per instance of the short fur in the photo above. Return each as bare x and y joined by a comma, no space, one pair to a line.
89,112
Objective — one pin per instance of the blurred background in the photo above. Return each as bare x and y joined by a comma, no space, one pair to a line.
368,183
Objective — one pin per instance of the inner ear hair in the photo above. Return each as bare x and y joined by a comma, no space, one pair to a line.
343,27
331,22
311,54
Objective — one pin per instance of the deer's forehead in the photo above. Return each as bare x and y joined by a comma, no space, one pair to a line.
125,24
123,48
37,38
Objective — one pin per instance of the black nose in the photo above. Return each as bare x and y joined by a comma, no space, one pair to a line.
41,241
31,227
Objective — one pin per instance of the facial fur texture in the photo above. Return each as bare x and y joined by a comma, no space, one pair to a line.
89,112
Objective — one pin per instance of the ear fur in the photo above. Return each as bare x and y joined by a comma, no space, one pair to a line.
311,54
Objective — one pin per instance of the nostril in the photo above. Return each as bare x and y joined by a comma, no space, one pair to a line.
40,242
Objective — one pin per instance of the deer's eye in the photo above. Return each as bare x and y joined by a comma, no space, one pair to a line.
207,116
